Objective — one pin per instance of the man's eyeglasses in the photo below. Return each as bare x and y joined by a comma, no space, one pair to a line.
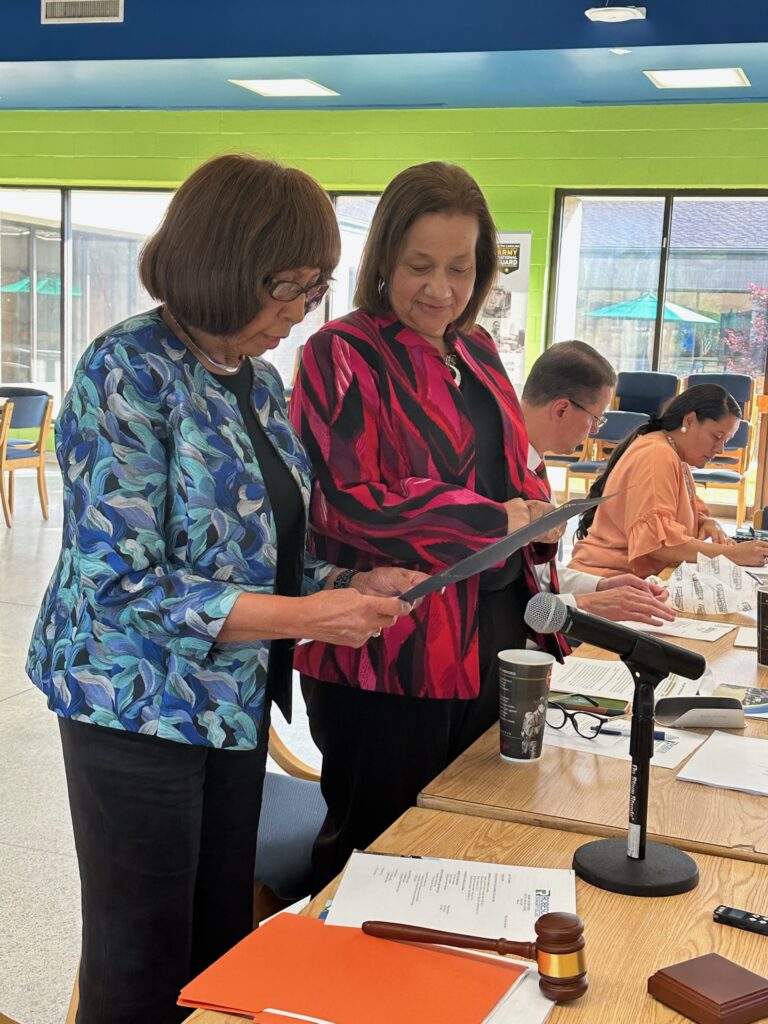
598,422
287,291
586,723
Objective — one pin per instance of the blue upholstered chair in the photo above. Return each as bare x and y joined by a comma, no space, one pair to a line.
740,385
292,812
616,427
729,470
32,409
644,391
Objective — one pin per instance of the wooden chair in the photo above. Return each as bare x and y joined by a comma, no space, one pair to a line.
31,410
7,1020
729,470
740,385
616,427
6,414
292,812
645,391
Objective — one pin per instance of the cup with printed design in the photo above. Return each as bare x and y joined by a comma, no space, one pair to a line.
523,690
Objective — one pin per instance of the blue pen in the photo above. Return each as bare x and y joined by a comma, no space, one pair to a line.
658,734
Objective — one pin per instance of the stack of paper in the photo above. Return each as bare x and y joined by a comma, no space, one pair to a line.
730,762
685,629
667,753
472,897
597,678
296,967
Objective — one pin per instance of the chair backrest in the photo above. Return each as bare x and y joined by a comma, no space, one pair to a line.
644,391
618,424
739,385
29,411
6,415
760,519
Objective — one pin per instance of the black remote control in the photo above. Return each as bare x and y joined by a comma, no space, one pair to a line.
742,919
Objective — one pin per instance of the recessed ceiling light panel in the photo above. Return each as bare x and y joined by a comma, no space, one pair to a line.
609,13
283,86
698,78
619,50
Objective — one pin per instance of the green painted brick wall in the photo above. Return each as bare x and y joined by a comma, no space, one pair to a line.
519,156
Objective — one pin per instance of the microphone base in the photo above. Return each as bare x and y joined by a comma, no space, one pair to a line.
664,871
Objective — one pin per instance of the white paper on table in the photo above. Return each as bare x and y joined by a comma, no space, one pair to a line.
498,900
730,762
612,679
667,753
746,637
685,629
714,586
525,1003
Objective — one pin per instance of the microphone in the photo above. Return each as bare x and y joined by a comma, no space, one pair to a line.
546,613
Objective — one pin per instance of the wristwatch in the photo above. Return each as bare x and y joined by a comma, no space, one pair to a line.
344,578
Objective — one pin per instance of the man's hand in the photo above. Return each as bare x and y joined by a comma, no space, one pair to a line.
628,579
625,603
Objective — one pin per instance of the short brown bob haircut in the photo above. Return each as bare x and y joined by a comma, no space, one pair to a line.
425,188
236,221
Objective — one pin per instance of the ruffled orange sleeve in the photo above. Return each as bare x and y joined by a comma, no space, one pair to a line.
659,513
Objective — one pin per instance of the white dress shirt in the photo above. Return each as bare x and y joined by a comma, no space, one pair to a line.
572,581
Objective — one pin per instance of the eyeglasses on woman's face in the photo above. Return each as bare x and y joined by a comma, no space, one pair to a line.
595,422
287,291
586,723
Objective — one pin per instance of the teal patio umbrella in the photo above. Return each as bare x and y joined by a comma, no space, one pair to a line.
45,286
644,308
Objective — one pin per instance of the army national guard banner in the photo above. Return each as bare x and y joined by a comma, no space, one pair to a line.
505,313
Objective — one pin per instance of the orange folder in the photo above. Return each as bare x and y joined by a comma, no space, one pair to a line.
296,965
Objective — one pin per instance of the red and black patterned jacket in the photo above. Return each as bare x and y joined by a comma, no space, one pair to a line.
393,456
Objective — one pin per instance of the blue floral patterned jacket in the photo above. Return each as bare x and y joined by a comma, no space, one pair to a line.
166,522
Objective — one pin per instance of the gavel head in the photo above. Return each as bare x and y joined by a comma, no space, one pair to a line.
560,956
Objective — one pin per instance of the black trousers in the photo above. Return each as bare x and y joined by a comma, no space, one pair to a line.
379,749
166,843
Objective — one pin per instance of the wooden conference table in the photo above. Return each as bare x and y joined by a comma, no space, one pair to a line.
572,791
628,938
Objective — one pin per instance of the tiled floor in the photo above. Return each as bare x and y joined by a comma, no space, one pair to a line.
39,896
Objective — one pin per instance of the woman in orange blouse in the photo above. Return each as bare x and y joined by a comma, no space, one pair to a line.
656,519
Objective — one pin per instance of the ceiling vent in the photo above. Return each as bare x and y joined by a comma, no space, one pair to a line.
80,12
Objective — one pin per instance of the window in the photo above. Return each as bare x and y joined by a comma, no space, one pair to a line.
708,254
30,287
108,231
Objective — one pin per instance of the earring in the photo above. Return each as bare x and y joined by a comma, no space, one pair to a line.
683,430
381,286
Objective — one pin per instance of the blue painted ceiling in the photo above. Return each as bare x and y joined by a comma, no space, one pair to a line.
179,54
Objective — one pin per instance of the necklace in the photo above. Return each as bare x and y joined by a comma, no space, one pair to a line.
684,467
185,337
452,362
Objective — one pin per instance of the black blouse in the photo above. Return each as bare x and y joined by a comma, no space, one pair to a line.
489,464
290,526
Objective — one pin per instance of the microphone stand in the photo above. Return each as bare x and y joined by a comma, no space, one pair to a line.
634,867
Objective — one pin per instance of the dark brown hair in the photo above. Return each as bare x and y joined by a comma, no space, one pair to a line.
425,188
568,369
234,222
708,401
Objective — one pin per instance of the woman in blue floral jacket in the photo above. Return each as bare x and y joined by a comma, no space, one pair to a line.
167,628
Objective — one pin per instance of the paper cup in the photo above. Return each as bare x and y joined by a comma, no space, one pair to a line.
523,691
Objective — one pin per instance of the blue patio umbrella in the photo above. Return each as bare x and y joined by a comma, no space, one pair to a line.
644,308
45,286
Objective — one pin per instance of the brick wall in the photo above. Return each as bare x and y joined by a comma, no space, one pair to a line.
519,156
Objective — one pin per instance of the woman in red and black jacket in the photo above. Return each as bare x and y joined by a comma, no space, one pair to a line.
420,457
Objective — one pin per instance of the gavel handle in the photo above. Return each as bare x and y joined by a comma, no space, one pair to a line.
411,933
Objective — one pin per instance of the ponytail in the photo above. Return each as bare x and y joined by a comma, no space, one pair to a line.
708,401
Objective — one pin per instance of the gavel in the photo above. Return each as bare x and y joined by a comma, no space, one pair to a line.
558,949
